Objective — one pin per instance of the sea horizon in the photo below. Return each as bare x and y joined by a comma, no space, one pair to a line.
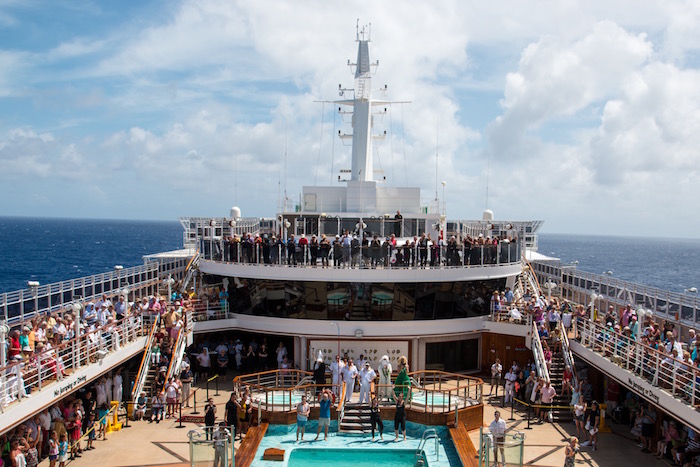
54,249
545,232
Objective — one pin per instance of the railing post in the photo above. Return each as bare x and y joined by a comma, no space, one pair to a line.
194,400
180,420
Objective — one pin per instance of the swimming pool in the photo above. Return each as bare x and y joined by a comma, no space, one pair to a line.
302,457
433,399
380,452
278,397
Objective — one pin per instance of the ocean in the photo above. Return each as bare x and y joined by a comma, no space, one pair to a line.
52,250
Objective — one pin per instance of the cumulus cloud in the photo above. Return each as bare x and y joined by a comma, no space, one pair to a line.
557,79
561,105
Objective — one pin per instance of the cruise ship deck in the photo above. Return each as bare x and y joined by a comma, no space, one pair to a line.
166,445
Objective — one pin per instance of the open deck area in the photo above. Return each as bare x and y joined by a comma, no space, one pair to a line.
146,444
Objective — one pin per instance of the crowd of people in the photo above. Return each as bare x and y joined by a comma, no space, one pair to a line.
664,350
42,348
65,430
368,250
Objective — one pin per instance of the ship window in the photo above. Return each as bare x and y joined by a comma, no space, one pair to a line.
452,356
687,312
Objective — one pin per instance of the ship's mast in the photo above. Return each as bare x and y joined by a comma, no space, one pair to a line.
362,168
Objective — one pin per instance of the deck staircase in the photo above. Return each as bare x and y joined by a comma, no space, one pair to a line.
556,374
356,419
150,381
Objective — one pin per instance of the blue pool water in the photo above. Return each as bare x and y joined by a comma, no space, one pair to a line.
309,457
344,448
432,399
279,398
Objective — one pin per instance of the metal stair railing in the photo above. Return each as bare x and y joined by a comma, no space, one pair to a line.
305,381
341,407
538,353
566,352
141,376
192,266
430,433
179,350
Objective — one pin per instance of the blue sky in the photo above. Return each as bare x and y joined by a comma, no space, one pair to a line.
587,113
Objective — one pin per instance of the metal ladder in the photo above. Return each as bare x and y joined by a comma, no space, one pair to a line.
430,433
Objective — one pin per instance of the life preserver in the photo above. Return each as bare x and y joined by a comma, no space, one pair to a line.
320,396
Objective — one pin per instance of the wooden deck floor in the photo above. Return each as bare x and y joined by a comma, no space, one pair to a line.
464,446
246,452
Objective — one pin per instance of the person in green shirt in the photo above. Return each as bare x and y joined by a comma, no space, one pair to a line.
402,382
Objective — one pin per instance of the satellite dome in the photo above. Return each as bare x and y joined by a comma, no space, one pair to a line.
235,212
488,215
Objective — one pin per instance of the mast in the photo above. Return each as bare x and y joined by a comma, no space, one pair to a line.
362,168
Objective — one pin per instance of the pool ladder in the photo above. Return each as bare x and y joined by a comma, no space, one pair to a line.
430,433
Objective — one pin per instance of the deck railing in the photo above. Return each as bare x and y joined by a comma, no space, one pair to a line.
438,392
538,353
36,372
20,306
675,375
576,285
442,256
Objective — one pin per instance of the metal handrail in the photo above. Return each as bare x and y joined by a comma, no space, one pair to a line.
430,433
626,292
566,351
50,365
435,257
467,390
341,406
679,377
538,353
19,306
140,379
189,270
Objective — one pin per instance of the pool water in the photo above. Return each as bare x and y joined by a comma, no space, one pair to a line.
432,398
302,457
344,449
279,398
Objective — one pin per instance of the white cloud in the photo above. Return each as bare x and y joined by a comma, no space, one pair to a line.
598,105
557,79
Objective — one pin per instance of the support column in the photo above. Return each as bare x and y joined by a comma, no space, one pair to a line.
414,363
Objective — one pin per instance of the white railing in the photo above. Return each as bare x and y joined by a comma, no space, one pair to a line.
180,346
48,366
190,270
22,305
141,376
566,351
538,353
204,311
676,376
676,306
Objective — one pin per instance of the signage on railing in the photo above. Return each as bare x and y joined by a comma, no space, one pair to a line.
68,387
647,392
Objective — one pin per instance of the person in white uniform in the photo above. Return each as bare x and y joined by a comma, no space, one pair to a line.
498,431
349,377
336,371
118,386
367,375
510,384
